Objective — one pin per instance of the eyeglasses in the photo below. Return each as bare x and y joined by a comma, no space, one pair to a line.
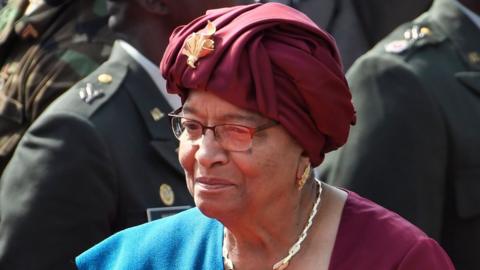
230,136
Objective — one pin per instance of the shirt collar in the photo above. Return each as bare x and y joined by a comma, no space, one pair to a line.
154,73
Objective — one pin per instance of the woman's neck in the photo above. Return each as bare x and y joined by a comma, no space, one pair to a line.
260,239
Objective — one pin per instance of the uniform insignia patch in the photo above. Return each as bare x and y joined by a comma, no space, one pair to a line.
88,93
155,213
410,36
156,114
396,46
29,31
474,57
166,194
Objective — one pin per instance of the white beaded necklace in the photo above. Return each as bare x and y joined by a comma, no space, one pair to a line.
283,263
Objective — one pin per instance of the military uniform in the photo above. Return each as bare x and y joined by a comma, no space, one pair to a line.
358,25
44,50
415,148
98,160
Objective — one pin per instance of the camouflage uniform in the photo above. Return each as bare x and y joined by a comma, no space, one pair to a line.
42,54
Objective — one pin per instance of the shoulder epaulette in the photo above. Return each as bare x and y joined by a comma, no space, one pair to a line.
416,35
100,85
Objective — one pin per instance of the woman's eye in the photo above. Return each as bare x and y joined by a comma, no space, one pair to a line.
235,129
191,126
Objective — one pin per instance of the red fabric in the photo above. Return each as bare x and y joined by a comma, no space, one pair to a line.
371,237
271,59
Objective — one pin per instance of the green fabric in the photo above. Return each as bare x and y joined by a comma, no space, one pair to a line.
100,8
80,63
72,41
7,14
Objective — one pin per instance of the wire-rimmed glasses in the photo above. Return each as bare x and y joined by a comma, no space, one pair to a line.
231,137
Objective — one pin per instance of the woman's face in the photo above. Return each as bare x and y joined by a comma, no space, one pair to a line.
226,183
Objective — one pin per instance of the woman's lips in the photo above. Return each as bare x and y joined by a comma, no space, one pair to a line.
212,183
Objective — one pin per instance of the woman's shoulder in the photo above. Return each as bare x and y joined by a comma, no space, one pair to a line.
382,227
372,237
366,215
154,245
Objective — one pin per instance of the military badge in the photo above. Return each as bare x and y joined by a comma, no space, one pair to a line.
166,194
474,57
156,114
88,93
396,46
410,36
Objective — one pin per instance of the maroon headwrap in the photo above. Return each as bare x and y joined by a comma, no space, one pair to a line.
270,59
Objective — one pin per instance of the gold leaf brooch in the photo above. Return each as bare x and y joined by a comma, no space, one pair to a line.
198,45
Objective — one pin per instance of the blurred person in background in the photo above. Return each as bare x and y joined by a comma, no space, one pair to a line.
357,25
415,148
46,46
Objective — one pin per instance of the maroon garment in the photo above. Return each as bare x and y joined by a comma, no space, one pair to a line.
373,238
270,59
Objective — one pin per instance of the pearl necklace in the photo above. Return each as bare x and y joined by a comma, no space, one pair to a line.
294,249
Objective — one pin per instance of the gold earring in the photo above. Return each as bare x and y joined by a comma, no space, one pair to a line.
301,182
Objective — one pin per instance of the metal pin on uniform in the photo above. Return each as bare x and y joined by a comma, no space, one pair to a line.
105,78
166,194
88,94
409,36
156,114
474,57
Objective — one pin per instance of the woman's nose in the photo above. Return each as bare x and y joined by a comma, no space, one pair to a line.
210,152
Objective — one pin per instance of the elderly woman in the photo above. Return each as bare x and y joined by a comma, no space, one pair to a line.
264,98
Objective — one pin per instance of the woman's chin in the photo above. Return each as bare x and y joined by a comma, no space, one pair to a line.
213,208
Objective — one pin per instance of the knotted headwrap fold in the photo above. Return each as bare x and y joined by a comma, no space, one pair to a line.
270,59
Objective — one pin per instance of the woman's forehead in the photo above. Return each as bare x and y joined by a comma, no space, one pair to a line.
207,105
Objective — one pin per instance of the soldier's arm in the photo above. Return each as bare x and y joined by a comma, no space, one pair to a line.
396,154
57,196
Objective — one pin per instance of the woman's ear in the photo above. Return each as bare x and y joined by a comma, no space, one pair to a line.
158,7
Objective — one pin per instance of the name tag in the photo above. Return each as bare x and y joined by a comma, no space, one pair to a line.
161,212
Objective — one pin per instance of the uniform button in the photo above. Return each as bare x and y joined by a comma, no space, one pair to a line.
425,31
105,78
166,194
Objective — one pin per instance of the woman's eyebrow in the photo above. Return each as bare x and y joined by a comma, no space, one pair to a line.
242,117
188,109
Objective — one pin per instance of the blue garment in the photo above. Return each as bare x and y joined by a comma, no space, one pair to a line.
369,237
188,240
